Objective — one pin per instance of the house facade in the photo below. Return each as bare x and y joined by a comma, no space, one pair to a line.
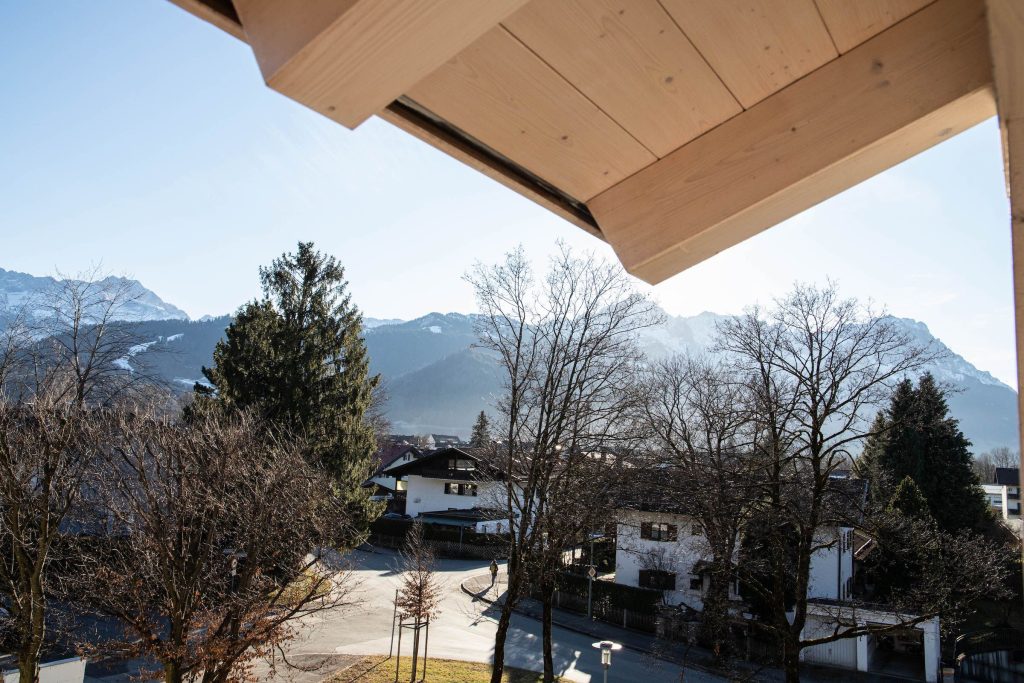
661,547
668,551
1003,494
454,487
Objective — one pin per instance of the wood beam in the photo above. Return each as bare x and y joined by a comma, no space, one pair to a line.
908,88
220,13
1006,27
349,59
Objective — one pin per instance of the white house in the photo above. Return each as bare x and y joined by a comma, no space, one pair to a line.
453,487
1003,495
668,551
659,546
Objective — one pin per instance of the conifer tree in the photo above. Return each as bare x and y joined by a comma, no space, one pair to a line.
918,439
481,436
909,501
297,356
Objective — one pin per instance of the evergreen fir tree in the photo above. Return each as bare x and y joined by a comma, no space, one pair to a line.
897,564
909,501
481,436
921,441
866,465
298,357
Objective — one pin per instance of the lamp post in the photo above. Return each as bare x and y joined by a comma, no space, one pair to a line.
606,647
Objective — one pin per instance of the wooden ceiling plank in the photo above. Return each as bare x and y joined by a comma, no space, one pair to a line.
472,157
632,61
908,88
851,23
502,94
756,46
348,59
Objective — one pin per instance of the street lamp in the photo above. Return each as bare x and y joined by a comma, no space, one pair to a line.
606,647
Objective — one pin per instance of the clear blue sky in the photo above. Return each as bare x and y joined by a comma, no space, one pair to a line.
137,136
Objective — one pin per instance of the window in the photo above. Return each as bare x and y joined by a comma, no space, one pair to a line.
453,488
658,531
697,530
696,583
464,464
657,579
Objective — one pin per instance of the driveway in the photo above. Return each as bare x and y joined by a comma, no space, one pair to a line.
464,630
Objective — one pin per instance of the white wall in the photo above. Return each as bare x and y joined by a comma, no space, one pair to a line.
831,566
633,553
61,671
427,495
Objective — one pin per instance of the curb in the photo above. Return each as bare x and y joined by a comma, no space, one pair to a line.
576,629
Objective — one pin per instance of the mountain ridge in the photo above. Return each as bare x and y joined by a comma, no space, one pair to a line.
438,380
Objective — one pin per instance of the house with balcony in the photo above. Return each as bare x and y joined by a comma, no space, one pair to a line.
1003,494
456,487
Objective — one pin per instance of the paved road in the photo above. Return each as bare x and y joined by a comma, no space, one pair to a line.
465,630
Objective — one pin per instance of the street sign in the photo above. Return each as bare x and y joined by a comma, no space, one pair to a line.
591,572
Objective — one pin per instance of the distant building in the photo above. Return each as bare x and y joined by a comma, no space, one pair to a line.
446,440
1003,495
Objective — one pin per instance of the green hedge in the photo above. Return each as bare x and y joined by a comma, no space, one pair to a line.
643,600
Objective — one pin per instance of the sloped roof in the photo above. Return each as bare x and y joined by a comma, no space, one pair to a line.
1007,476
434,464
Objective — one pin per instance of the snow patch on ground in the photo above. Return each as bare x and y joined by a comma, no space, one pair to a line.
435,329
123,361
192,382
175,337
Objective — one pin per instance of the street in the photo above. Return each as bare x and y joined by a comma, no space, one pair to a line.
464,630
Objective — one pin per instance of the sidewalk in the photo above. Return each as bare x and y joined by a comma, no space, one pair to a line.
480,587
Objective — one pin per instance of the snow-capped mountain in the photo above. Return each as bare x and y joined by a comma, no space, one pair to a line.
436,380
18,290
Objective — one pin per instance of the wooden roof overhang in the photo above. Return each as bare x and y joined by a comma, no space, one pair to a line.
672,129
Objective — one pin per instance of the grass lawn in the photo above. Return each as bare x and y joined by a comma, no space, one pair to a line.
380,669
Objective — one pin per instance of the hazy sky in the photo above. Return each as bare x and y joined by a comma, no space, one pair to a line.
135,135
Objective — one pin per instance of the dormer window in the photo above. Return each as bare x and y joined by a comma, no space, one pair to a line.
464,464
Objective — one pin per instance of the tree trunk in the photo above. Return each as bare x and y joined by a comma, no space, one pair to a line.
172,672
415,648
791,658
715,621
28,671
547,596
28,653
511,594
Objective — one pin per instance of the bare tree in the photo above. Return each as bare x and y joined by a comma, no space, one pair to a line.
212,561
985,464
419,595
46,452
814,367
567,348
701,458
79,341
57,363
